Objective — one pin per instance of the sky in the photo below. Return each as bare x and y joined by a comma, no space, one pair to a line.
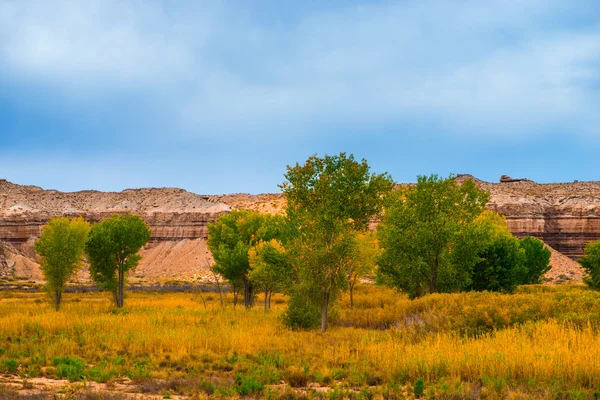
220,96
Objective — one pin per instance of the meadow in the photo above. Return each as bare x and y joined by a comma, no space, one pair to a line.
541,342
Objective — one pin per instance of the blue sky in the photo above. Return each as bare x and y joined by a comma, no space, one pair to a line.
218,97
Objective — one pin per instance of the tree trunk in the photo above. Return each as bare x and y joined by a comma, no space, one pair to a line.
218,287
266,299
433,282
57,299
121,287
324,308
270,293
351,295
248,294
116,297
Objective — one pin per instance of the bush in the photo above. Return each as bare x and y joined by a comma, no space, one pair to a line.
70,368
248,385
537,259
501,268
591,264
419,387
10,366
302,313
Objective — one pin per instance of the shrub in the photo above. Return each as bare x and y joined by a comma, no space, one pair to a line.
70,368
10,366
591,264
537,259
248,385
302,313
419,387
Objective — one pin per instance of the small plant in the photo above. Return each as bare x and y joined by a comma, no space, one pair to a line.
70,368
419,387
10,366
248,385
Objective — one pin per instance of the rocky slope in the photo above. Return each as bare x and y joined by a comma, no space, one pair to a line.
565,216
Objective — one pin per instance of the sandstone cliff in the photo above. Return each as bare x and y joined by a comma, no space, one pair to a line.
566,216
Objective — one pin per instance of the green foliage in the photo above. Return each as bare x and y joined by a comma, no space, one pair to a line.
270,267
328,200
248,385
501,268
231,237
591,264
68,367
61,248
363,260
429,237
112,250
537,259
10,365
302,312
419,387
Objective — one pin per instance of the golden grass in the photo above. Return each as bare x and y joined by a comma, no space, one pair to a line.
541,342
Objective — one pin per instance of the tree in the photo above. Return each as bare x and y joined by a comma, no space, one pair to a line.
501,267
61,248
591,264
112,250
425,229
328,200
537,259
231,237
363,261
269,268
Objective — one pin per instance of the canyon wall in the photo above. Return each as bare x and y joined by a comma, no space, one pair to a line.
566,216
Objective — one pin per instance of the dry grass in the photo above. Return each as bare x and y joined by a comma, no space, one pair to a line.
540,342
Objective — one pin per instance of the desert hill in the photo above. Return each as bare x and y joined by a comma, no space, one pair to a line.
566,216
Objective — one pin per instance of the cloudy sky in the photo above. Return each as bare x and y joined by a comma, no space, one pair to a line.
218,97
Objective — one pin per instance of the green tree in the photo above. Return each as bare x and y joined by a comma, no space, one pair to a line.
537,259
112,251
328,200
501,267
363,260
231,237
61,248
427,233
270,268
591,264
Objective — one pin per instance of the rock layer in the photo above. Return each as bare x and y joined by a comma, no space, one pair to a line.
566,216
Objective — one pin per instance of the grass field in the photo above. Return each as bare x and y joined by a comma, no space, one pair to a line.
541,342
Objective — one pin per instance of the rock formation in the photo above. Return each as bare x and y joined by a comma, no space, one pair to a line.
565,216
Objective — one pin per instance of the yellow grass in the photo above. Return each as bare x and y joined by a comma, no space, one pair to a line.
539,342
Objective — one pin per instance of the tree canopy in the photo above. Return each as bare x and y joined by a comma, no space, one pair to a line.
427,235
61,248
112,251
591,264
329,199
537,259
231,237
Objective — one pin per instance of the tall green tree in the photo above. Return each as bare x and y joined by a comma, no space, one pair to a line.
61,248
427,232
537,259
231,237
591,264
329,199
112,251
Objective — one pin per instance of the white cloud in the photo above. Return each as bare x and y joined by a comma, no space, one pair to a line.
505,68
